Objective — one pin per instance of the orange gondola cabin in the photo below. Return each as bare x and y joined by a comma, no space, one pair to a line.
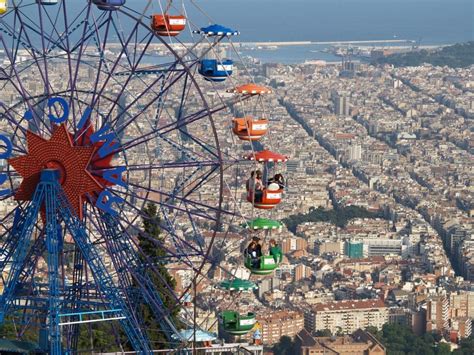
168,25
249,128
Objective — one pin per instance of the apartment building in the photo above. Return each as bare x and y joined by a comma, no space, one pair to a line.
274,325
346,316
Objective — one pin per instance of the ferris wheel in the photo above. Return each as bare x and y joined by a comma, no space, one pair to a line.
106,124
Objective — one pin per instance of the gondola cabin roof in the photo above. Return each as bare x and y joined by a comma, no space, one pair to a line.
262,223
250,89
216,30
266,156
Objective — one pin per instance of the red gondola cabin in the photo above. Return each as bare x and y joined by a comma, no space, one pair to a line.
168,25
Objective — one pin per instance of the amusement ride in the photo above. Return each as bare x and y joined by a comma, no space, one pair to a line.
106,110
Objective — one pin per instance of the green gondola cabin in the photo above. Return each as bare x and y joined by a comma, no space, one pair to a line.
267,264
237,324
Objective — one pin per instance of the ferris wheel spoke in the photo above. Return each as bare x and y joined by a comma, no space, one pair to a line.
20,88
133,67
166,165
201,209
115,64
139,258
33,26
167,205
174,76
26,45
163,130
89,31
44,75
16,39
72,82
171,233
171,254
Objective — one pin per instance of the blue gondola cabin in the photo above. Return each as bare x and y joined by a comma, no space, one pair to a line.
214,70
108,5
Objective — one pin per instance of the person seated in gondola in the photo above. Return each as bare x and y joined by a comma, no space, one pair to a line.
254,251
275,251
278,180
255,186
250,181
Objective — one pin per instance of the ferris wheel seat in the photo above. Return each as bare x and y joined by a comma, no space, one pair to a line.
235,323
47,2
108,5
266,266
249,128
3,6
214,70
269,199
168,25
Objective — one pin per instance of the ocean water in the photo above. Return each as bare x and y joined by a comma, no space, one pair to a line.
432,21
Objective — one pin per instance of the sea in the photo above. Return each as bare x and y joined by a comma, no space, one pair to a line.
428,22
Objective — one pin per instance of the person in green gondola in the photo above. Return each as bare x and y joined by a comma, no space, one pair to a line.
275,251
254,251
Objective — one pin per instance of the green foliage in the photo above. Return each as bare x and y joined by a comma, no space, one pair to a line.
98,336
400,340
374,331
466,346
323,333
161,278
460,55
286,346
339,217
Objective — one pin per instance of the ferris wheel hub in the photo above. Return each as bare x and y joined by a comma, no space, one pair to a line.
59,167
72,163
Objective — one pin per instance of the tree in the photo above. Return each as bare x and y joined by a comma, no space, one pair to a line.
466,346
443,349
400,339
161,279
286,346
323,333
374,331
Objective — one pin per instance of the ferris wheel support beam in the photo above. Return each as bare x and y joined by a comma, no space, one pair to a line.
11,241
49,192
24,230
101,276
53,242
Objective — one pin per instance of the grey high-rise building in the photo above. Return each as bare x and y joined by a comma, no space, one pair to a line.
121,113
342,105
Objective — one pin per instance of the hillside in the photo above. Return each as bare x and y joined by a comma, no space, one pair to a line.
460,55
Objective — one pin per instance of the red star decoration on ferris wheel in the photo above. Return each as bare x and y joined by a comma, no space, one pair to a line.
60,153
